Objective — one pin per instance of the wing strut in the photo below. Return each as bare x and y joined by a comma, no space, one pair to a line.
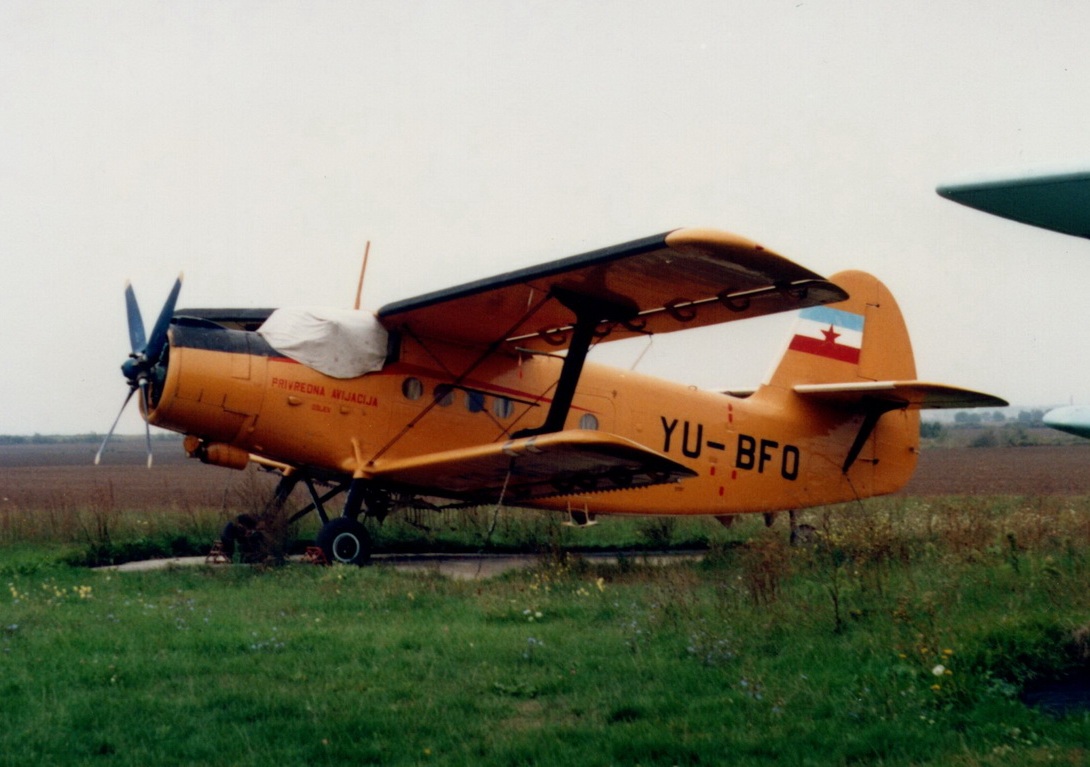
875,409
590,312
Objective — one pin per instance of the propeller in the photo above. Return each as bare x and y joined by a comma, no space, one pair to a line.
147,352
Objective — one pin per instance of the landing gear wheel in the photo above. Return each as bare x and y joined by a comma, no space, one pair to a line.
345,540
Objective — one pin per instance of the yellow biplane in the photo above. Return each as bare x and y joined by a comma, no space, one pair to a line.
481,394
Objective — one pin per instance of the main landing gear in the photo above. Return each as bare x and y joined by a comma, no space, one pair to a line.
344,540
341,539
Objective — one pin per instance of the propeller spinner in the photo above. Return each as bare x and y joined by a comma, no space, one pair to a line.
147,352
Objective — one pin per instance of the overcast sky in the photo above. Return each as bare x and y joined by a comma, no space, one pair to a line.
258,145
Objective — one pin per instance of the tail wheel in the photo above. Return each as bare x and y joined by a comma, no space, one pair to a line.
345,540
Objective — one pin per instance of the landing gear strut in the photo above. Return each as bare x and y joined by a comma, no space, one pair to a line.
342,539
801,534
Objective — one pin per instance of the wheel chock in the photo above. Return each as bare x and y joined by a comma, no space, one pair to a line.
217,556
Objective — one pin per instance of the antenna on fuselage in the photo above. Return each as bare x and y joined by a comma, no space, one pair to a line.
363,271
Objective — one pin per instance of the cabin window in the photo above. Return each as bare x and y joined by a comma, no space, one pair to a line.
503,407
412,388
444,395
474,401
589,421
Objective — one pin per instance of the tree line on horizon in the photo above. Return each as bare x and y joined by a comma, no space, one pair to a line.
79,439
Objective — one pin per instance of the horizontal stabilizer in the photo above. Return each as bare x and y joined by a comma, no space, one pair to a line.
917,395
574,462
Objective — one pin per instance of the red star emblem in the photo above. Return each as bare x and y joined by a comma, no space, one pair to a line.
830,335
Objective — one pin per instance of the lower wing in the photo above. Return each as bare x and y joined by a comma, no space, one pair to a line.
563,463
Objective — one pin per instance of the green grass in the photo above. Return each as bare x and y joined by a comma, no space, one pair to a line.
760,654
94,534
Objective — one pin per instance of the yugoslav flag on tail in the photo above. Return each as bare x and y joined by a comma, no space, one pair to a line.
828,332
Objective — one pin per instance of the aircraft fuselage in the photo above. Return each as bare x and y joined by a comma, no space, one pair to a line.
769,451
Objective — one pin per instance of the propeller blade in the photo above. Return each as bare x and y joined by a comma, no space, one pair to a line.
110,433
137,339
141,364
158,337
147,428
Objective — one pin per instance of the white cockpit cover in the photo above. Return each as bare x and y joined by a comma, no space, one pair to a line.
342,343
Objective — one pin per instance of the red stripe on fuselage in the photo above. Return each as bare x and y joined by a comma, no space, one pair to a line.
484,387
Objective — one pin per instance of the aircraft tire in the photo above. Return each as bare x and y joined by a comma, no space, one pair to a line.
345,540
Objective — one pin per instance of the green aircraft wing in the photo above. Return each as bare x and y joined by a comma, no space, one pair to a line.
1059,201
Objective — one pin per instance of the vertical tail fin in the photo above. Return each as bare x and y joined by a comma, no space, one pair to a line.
847,383
846,346
861,339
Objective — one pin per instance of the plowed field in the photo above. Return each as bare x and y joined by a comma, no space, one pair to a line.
37,475
1042,470
52,476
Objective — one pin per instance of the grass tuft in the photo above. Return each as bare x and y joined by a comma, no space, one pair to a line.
905,632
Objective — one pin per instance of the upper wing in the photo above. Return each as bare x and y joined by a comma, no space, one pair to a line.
907,394
1058,201
681,279
564,463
